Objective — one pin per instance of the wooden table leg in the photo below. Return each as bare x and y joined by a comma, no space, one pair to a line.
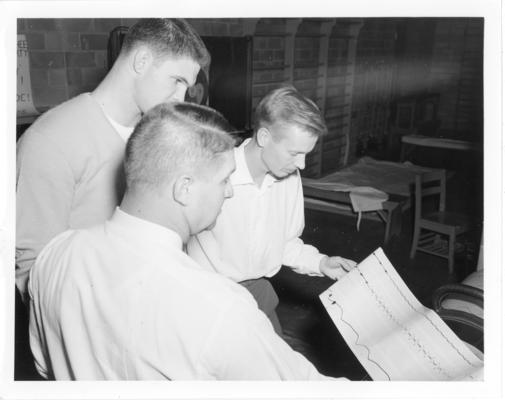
393,218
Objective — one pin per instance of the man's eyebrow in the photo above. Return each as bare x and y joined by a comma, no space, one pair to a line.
181,78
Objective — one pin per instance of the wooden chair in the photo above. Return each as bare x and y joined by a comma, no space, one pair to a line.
429,226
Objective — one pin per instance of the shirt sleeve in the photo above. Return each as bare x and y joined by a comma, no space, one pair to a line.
301,257
44,193
205,250
244,346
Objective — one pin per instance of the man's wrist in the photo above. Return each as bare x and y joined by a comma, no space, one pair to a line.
322,264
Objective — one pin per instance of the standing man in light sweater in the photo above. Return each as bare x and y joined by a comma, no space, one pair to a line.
69,162
258,229
122,301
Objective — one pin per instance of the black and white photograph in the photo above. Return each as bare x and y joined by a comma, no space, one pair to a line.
244,201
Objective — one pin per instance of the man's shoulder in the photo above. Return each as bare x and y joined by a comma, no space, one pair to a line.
76,129
66,110
54,255
66,119
69,255
214,291
72,239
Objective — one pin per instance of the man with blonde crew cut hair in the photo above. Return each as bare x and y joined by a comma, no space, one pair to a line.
123,301
259,229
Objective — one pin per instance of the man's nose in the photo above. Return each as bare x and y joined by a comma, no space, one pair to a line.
179,94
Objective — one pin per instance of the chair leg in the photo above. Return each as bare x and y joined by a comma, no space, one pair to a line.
452,243
415,239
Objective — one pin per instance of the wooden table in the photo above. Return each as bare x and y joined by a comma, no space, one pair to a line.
329,201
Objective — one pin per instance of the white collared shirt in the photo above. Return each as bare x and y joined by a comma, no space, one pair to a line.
258,229
122,301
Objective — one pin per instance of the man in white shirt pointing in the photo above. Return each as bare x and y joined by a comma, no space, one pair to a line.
122,301
258,229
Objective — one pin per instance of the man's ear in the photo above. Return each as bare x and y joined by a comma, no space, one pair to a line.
142,58
263,136
182,189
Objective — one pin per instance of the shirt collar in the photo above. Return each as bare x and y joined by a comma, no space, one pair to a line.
123,131
242,176
144,230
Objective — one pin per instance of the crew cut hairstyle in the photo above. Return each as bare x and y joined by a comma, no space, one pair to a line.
174,138
167,37
288,106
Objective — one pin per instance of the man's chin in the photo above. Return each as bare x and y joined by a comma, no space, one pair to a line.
283,174
211,226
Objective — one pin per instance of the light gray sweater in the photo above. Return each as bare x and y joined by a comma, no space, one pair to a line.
69,174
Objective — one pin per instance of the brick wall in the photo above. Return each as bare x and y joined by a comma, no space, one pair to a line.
67,56
416,38
269,56
374,68
339,96
289,51
456,73
218,26
401,57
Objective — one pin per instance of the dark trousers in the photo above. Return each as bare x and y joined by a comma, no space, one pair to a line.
264,294
24,368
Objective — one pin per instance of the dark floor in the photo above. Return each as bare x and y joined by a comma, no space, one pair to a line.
307,327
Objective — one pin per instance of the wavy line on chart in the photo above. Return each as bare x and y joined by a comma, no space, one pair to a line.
411,336
332,301
424,315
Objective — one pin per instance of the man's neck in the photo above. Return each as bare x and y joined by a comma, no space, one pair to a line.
115,96
155,210
257,169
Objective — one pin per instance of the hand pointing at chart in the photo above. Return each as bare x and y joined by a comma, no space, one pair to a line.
336,267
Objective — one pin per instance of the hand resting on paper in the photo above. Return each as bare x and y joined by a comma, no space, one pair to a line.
336,267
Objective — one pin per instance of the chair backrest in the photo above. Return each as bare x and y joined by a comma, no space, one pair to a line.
429,184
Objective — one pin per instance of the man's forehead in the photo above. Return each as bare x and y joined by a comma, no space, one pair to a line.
294,134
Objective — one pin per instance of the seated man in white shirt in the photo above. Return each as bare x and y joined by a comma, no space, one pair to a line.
258,229
121,300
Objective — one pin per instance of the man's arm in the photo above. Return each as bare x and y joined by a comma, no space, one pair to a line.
205,250
301,257
44,194
304,258
244,346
